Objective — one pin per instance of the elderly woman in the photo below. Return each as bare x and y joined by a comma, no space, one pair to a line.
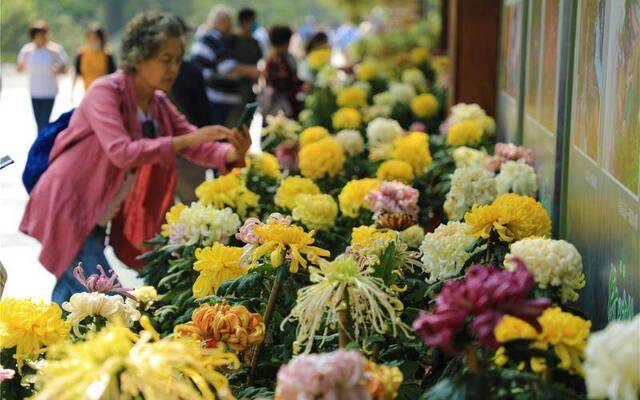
116,160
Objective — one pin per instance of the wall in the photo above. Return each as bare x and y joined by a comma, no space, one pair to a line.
570,90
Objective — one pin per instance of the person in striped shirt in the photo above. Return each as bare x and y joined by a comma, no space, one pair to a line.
210,51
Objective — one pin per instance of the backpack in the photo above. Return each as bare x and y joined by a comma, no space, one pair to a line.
38,158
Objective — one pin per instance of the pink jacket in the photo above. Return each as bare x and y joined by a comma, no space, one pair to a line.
88,164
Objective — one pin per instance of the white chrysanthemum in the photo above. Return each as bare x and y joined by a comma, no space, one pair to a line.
517,177
466,156
444,251
612,362
415,77
111,308
382,131
402,92
204,223
363,85
384,99
280,125
469,186
462,111
329,77
553,263
351,140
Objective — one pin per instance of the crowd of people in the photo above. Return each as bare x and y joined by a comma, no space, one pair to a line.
171,96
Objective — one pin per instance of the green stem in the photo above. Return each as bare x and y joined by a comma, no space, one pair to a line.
268,312
344,321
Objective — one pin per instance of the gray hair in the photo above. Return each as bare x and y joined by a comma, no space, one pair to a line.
144,35
216,13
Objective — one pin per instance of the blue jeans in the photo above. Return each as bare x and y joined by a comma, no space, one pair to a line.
42,111
91,254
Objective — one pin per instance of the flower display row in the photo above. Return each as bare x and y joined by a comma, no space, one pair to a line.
379,247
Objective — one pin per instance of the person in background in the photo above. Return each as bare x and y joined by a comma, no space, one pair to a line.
93,61
318,40
188,94
44,60
246,50
114,165
211,53
259,33
282,84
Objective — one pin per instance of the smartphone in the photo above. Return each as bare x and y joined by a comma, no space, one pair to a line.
247,115
5,162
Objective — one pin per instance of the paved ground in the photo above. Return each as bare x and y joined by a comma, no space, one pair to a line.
18,252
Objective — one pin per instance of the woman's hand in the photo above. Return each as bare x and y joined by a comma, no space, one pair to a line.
210,133
241,142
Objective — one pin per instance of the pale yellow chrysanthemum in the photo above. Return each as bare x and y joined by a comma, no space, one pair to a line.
280,126
346,118
424,105
117,364
320,159
370,306
30,327
291,187
172,217
216,265
467,157
464,133
395,170
444,251
312,135
316,211
517,177
353,195
351,141
413,149
365,71
415,77
553,263
469,186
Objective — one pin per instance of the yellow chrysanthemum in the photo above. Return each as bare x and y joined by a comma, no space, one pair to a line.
312,135
368,237
292,187
235,326
564,331
117,364
465,133
319,58
172,217
440,63
291,241
384,381
352,196
316,211
395,170
346,118
424,105
227,191
512,328
365,71
266,164
216,265
30,327
352,96
511,216
413,149
568,335
322,158
419,55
